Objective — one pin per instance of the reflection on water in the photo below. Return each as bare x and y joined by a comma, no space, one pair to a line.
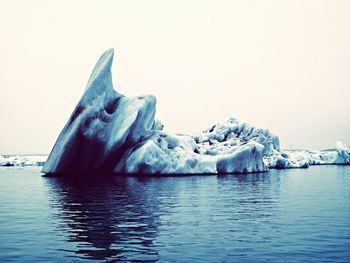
108,219
279,216
119,218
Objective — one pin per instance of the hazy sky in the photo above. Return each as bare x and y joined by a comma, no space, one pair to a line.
281,65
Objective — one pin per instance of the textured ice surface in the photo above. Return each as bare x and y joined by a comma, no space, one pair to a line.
227,147
116,134
102,127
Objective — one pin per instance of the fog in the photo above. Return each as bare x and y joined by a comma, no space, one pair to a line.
281,65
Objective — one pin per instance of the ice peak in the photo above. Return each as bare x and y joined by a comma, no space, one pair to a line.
100,81
102,69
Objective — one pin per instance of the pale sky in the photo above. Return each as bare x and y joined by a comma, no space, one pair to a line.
281,65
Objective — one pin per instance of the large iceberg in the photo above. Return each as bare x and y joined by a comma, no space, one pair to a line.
111,133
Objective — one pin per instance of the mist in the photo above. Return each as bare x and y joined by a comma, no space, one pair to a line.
280,65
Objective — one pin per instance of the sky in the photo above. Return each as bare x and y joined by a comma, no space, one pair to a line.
280,65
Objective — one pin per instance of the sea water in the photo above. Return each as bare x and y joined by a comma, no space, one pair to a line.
296,215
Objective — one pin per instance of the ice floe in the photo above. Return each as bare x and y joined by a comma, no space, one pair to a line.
22,160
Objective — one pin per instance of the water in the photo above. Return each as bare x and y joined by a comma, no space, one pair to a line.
280,216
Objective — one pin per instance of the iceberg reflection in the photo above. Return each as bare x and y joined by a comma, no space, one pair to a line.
99,216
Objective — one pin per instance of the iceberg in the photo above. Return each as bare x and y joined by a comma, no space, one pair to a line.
102,127
22,160
111,133
305,158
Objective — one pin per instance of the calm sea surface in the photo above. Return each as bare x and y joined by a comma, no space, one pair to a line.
279,216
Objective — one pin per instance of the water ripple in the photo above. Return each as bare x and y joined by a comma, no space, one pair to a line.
280,216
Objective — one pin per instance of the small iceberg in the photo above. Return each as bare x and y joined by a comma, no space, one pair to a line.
22,160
